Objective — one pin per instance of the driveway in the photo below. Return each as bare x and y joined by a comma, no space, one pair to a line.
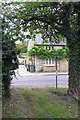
38,80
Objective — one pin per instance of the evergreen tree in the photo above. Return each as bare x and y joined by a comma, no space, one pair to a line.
9,59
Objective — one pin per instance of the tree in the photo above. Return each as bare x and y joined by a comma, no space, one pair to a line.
9,59
52,20
22,47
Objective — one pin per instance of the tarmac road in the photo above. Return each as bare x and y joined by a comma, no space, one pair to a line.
35,80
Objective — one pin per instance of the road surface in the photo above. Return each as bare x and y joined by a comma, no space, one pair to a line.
36,80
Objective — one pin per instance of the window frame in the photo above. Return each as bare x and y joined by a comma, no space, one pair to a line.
49,62
49,47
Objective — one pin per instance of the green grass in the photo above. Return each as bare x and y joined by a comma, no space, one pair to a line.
46,103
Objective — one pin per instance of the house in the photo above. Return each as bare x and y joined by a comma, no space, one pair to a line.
48,64
22,59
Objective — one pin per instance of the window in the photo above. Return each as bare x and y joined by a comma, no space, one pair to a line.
49,47
49,62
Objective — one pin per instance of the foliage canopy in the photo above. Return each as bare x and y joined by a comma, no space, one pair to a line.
22,47
43,53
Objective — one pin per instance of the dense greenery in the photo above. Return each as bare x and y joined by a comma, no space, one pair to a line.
9,64
9,59
42,53
22,47
54,21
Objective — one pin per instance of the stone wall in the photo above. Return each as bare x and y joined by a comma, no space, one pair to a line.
40,65
64,65
57,47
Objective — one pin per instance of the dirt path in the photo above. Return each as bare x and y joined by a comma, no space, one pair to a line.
16,104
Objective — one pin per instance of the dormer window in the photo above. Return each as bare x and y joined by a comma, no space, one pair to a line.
49,47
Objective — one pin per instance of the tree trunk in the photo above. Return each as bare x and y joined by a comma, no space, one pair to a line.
74,57
74,66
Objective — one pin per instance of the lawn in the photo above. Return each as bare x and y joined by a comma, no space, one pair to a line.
40,103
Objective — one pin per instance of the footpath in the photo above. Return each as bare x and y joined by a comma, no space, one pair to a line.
23,72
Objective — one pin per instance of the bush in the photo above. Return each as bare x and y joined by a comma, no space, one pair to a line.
41,69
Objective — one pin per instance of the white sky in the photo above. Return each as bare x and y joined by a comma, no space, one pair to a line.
38,39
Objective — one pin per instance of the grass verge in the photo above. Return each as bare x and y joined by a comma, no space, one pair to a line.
40,103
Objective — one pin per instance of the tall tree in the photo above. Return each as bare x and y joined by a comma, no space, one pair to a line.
9,59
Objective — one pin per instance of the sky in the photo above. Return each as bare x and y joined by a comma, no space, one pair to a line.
38,39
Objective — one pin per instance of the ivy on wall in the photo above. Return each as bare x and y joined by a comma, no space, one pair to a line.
42,53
